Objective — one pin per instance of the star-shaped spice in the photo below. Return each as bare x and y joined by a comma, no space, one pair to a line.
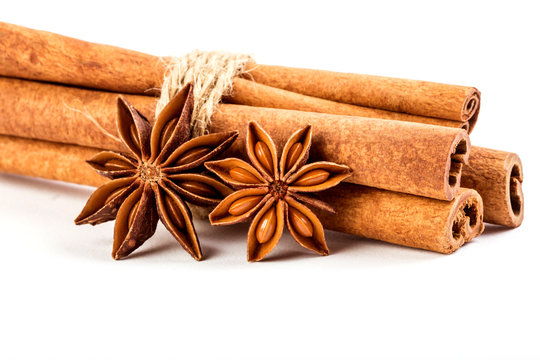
274,192
152,182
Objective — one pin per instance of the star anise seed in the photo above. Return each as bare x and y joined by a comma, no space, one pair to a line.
153,182
274,192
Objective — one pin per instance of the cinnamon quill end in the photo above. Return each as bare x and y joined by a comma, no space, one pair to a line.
497,176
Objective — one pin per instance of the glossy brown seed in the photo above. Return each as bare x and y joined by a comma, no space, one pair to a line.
134,136
199,188
300,222
263,154
192,155
313,177
167,132
293,155
175,215
267,226
243,205
243,176
117,165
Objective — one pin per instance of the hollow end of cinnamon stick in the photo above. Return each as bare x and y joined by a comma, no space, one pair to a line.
516,192
470,105
471,109
498,177
459,156
465,221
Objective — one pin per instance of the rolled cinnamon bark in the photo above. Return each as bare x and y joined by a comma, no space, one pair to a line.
452,102
408,220
39,55
64,114
251,93
414,221
497,176
47,160
411,158
406,157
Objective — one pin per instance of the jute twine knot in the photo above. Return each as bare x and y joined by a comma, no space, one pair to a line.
211,73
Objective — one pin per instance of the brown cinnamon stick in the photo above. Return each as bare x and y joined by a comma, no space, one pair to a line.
254,94
48,160
413,221
497,176
64,114
406,157
411,158
441,226
452,102
39,55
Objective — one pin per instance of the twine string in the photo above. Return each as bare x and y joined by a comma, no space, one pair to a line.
211,73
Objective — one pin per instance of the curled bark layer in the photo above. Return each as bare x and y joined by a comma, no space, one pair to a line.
497,176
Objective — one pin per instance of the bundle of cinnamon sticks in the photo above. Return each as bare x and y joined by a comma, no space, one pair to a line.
416,179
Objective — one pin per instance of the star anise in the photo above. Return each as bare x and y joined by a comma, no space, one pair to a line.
152,182
274,192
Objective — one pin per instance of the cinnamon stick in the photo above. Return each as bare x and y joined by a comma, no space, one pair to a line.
414,221
64,114
39,55
497,176
251,93
48,160
452,102
406,157
411,158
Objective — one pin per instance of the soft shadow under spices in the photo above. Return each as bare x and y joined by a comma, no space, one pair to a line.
339,242
207,233
491,229
162,242
156,249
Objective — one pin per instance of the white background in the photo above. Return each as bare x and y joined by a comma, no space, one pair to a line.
63,297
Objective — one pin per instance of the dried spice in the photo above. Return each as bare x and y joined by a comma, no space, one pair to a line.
274,192
152,182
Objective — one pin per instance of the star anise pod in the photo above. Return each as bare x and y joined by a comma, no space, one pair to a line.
152,182
274,192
